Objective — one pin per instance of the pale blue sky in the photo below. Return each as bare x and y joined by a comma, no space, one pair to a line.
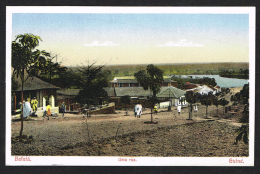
139,38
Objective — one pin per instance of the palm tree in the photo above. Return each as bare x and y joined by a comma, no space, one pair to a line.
25,61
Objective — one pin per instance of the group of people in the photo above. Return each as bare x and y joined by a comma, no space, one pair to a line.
138,109
26,106
31,108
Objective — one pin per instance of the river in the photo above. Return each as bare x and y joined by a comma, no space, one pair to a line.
223,81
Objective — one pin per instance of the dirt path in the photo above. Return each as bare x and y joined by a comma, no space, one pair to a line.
110,135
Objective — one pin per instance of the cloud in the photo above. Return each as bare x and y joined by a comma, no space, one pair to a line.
181,43
105,44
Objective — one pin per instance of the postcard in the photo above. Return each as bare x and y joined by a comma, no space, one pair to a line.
130,86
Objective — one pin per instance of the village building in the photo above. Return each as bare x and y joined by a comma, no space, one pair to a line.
204,89
138,95
218,89
130,81
44,92
68,96
188,85
172,97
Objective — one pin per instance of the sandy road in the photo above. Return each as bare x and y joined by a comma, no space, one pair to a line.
59,132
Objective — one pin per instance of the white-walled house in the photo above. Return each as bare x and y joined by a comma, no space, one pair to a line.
206,89
44,92
174,96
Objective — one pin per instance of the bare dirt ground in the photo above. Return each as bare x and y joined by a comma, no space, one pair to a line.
119,135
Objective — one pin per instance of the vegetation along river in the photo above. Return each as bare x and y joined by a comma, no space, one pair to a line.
223,81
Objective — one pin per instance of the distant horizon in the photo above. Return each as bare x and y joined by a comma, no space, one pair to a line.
144,35
166,64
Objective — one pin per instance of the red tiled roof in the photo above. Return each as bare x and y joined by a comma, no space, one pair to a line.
189,86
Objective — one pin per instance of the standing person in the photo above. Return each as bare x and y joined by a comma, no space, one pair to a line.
138,110
34,104
26,109
63,108
196,108
179,109
48,109
155,109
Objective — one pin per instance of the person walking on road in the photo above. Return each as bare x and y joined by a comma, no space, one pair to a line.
63,108
179,109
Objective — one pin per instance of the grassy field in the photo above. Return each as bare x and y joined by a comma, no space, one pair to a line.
177,69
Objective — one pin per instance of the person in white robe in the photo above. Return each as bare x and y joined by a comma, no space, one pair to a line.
195,108
26,109
179,109
138,110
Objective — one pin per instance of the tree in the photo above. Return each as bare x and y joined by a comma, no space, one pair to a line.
14,86
235,98
223,102
216,102
53,72
91,82
191,98
243,131
26,61
206,100
151,78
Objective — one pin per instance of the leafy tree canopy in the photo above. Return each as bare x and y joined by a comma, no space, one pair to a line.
91,81
151,78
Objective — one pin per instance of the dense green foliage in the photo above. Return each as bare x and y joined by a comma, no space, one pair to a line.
178,69
242,97
54,73
26,61
192,98
151,78
91,81
223,102
206,100
239,74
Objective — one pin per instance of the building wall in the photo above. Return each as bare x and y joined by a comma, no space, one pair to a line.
137,84
165,84
124,84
